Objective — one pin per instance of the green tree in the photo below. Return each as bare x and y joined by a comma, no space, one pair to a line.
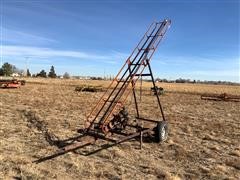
42,74
52,73
8,69
28,73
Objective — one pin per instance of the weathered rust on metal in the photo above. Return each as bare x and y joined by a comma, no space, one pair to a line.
81,142
84,141
125,81
221,97
134,135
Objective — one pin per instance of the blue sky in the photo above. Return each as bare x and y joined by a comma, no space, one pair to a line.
93,37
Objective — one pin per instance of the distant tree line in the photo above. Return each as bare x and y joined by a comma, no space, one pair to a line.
181,80
43,73
8,69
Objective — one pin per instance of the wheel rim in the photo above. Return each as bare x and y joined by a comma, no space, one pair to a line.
163,133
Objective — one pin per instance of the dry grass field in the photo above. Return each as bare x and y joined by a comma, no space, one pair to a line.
203,143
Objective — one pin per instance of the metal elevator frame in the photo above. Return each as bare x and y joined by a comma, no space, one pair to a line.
116,94
113,99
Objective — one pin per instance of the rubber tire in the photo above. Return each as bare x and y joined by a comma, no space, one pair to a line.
161,131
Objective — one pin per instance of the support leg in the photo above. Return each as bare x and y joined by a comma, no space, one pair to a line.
155,90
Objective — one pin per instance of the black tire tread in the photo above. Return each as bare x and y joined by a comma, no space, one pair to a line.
160,125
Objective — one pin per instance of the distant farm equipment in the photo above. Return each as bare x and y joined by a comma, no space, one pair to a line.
89,89
109,121
220,97
11,83
158,91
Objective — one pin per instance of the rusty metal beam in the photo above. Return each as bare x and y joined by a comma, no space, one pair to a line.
85,141
148,120
131,136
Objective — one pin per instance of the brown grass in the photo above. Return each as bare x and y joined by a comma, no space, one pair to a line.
203,140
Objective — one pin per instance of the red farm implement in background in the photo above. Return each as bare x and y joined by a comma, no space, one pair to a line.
11,83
